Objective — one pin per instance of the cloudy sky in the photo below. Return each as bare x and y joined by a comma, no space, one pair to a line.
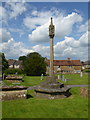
24,29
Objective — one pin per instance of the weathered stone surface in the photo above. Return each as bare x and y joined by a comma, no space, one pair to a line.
13,92
13,95
9,88
85,92
53,95
52,89
13,77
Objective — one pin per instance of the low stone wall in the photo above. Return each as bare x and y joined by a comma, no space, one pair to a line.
85,92
13,95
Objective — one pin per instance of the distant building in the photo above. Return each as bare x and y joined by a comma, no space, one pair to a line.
86,64
70,66
14,63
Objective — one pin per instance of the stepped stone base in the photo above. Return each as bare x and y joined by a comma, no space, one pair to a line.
52,89
55,95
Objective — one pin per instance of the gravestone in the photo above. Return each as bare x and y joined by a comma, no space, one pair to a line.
81,74
42,77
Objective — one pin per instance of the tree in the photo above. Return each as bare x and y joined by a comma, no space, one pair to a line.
3,62
22,58
34,64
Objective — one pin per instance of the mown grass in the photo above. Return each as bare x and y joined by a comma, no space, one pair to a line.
74,79
27,81
75,106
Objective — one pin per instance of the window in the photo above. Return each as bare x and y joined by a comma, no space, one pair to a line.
70,66
59,66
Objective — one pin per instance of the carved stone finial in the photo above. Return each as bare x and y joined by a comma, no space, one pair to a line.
51,29
51,21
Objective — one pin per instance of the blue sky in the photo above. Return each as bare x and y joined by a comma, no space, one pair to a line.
25,29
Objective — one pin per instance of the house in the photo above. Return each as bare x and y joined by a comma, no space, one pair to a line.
14,63
86,64
70,66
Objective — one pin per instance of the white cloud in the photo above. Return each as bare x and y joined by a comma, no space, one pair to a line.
73,48
83,27
89,25
4,35
3,14
69,47
38,19
43,50
63,26
84,39
40,34
17,30
14,9
14,49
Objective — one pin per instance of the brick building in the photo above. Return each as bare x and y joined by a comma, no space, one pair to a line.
70,66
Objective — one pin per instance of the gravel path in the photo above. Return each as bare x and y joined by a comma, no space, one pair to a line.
78,85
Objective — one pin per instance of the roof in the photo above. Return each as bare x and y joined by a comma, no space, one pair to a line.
65,62
14,62
18,63
11,61
87,62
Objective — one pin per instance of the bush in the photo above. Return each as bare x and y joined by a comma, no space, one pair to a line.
34,65
13,71
86,70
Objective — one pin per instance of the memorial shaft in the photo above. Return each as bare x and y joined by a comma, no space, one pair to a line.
51,57
51,35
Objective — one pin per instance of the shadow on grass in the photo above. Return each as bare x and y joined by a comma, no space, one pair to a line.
29,96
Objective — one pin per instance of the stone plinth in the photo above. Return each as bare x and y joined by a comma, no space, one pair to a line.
13,93
52,89
14,78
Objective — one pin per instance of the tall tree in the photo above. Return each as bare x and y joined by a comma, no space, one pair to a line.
3,62
34,64
22,58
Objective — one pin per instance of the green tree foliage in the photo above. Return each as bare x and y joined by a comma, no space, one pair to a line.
3,62
22,58
13,71
34,64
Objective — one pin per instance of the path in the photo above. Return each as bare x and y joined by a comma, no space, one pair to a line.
78,85
70,86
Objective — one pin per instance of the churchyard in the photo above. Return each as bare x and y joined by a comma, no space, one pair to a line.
75,106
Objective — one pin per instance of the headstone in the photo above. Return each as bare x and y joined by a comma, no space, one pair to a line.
58,77
3,76
62,77
81,74
16,73
65,80
41,76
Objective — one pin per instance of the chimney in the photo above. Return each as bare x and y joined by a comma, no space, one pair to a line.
68,59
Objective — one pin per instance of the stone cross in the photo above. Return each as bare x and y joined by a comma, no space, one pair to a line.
51,35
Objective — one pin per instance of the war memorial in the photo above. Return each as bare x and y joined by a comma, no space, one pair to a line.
51,88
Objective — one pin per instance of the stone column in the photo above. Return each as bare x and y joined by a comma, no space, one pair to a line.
51,57
51,35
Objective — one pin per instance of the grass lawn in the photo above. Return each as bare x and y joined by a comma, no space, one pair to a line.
28,81
75,106
74,79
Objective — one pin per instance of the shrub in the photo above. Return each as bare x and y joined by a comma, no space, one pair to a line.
13,71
